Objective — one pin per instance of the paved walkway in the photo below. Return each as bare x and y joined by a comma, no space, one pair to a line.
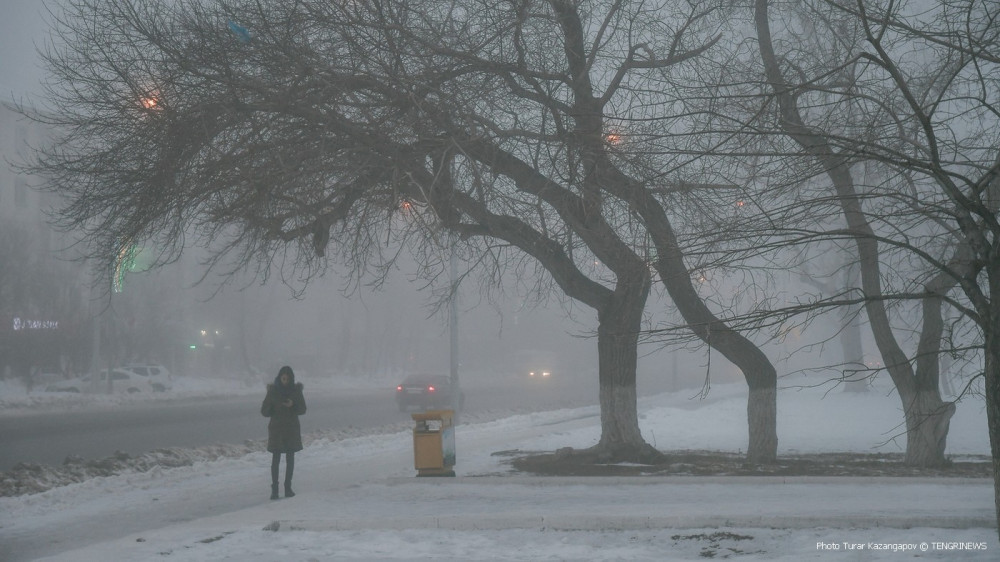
616,503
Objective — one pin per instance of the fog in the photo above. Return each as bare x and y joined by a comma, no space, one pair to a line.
324,332
246,329
249,330
369,332
21,28
393,329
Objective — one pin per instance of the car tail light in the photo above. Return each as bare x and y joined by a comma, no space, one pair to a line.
399,388
430,389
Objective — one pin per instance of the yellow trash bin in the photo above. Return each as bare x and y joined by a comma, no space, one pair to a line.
434,443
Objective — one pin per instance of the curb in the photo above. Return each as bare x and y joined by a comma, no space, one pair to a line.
693,480
493,522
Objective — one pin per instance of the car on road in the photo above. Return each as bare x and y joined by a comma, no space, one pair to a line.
122,380
537,364
539,374
427,392
157,375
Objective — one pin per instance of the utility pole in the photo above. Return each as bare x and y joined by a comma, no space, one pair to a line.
100,321
95,338
456,395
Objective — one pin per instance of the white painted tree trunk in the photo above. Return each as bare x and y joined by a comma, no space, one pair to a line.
761,412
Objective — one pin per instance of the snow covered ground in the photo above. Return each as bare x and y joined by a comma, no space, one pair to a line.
358,498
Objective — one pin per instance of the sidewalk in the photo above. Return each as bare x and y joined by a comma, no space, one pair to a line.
627,503
591,518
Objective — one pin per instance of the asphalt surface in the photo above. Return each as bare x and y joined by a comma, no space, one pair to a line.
49,437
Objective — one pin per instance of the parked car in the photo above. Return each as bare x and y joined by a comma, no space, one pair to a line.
427,392
122,380
43,376
157,375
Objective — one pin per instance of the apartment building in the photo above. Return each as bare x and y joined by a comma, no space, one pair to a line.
42,290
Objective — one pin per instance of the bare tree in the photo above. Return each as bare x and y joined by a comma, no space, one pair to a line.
927,415
919,93
314,131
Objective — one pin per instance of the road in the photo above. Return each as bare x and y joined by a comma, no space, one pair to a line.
48,438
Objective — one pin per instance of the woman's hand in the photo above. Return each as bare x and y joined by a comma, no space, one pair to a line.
288,403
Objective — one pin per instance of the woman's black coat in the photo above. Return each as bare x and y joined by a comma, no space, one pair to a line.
284,435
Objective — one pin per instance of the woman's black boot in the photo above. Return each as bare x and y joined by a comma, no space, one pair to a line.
274,491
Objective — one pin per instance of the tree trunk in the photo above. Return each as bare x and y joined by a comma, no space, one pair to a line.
927,416
617,363
762,412
617,346
991,372
758,371
927,421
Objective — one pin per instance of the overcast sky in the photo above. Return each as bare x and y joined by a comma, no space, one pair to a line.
22,26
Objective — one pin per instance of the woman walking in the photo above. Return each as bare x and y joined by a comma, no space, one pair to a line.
284,404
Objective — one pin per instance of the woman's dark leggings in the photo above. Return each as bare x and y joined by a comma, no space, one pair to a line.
289,467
